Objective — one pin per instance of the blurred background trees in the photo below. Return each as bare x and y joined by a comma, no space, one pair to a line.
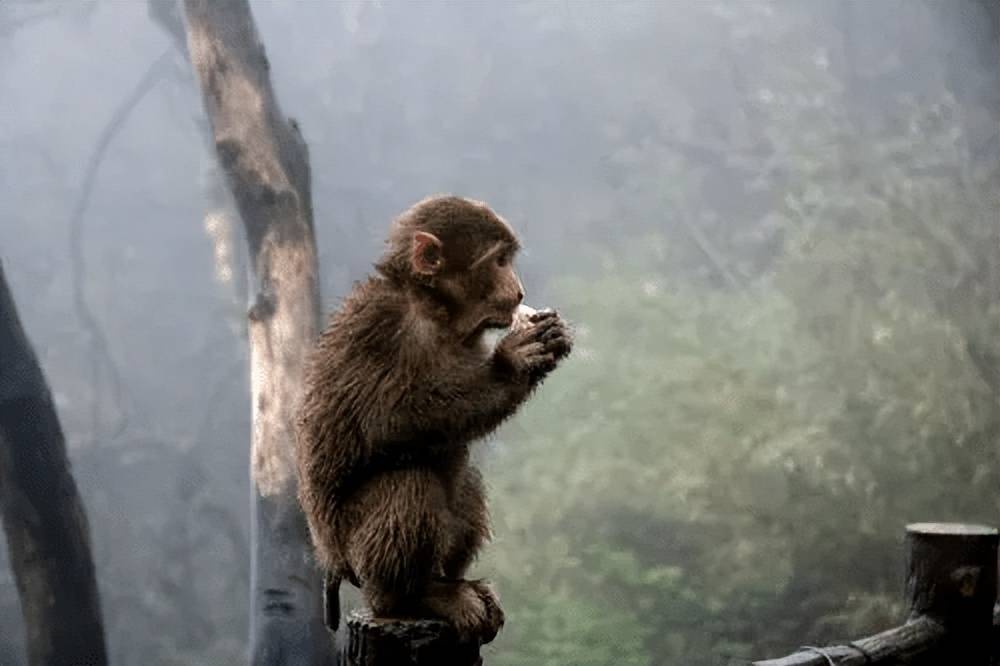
774,226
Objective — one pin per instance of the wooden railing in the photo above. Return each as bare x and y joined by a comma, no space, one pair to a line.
951,587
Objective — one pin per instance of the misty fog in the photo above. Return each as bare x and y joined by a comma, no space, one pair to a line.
773,227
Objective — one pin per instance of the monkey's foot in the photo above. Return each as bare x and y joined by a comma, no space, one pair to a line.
472,608
493,618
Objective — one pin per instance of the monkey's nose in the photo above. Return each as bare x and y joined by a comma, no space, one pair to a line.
520,296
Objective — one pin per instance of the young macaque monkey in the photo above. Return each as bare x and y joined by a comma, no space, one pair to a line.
400,384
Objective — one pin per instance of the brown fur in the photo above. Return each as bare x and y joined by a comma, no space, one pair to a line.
399,385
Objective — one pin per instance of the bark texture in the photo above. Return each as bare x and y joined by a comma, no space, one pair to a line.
267,168
382,642
43,516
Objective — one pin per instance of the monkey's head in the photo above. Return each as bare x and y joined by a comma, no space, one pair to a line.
458,254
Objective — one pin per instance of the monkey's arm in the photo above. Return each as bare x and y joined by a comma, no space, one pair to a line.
454,409
462,402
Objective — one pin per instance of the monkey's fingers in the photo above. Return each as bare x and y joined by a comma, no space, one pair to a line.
514,342
559,346
553,331
530,351
538,330
518,354
541,365
557,339
541,315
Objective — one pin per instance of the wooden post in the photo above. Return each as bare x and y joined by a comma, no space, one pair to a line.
996,634
375,641
952,578
952,587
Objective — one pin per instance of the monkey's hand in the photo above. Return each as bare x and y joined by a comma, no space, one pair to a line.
534,351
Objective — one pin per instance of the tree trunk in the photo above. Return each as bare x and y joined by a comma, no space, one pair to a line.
266,165
43,516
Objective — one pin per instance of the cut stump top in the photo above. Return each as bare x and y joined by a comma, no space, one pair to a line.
951,529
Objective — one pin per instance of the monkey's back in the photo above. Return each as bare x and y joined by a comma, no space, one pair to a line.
341,391
354,378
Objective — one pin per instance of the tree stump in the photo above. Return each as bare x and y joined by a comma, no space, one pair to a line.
952,578
373,641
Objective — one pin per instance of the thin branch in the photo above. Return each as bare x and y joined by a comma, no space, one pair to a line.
169,15
100,350
712,254
222,388
9,27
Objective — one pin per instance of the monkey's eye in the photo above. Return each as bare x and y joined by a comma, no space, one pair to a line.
503,260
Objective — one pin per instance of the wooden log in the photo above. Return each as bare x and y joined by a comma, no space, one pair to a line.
375,641
952,588
899,645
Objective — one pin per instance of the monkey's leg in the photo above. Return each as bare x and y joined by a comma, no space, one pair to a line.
396,550
469,529
470,525
393,547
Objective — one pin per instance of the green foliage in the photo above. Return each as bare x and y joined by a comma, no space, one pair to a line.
647,476
720,473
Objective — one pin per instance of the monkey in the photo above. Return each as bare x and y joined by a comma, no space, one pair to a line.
397,387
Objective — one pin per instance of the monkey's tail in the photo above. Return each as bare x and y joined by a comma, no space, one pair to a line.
331,599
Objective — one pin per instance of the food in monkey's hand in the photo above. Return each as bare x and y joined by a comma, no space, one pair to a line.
522,317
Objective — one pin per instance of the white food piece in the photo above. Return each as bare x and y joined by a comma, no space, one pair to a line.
522,317
521,321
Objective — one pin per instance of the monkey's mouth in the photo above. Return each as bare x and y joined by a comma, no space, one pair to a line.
496,322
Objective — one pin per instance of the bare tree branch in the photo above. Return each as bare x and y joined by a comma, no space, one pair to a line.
711,253
100,355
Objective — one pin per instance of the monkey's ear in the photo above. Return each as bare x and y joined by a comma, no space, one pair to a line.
427,257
